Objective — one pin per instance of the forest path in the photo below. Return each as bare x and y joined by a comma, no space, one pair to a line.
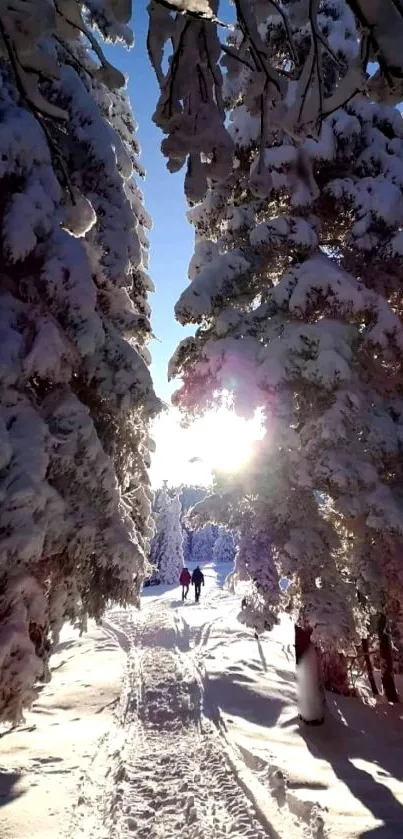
176,780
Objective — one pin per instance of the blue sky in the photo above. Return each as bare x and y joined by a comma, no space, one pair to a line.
172,236
186,456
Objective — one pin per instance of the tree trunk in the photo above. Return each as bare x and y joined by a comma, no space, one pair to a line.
386,656
302,642
369,667
311,696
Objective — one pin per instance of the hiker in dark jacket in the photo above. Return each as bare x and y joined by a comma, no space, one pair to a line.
197,582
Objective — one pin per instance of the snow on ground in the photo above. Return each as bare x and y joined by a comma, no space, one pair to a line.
41,762
341,780
347,773
205,743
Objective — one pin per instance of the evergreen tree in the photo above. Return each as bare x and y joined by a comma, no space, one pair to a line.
203,544
294,318
167,545
190,495
289,90
187,546
76,391
224,546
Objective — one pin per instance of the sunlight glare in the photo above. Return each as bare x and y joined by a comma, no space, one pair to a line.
220,440
224,440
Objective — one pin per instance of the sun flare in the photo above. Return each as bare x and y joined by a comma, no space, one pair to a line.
223,440
220,440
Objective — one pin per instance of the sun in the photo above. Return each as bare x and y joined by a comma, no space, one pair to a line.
218,441
225,441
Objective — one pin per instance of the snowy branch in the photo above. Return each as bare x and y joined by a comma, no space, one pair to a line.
291,94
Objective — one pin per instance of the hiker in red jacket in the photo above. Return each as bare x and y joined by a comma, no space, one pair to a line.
184,580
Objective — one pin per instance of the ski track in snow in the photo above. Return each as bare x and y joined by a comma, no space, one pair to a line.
174,779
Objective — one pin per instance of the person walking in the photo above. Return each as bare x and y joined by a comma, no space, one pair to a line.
184,580
197,582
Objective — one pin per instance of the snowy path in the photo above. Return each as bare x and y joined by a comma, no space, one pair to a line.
175,780
205,742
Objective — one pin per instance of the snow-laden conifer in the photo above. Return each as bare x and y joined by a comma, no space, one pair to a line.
224,546
203,541
294,286
167,545
289,89
76,393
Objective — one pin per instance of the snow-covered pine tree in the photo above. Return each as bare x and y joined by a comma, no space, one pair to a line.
167,545
174,566
159,507
203,541
294,319
187,546
224,546
76,393
191,109
190,495
86,300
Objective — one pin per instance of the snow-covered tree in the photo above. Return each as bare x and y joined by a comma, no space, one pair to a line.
75,386
292,85
197,547
203,541
190,495
187,546
167,545
295,319
160,505
224,546
76,391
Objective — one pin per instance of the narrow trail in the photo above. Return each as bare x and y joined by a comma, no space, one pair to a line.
205,745
174,779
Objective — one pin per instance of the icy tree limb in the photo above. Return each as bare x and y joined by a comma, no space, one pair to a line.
190,108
